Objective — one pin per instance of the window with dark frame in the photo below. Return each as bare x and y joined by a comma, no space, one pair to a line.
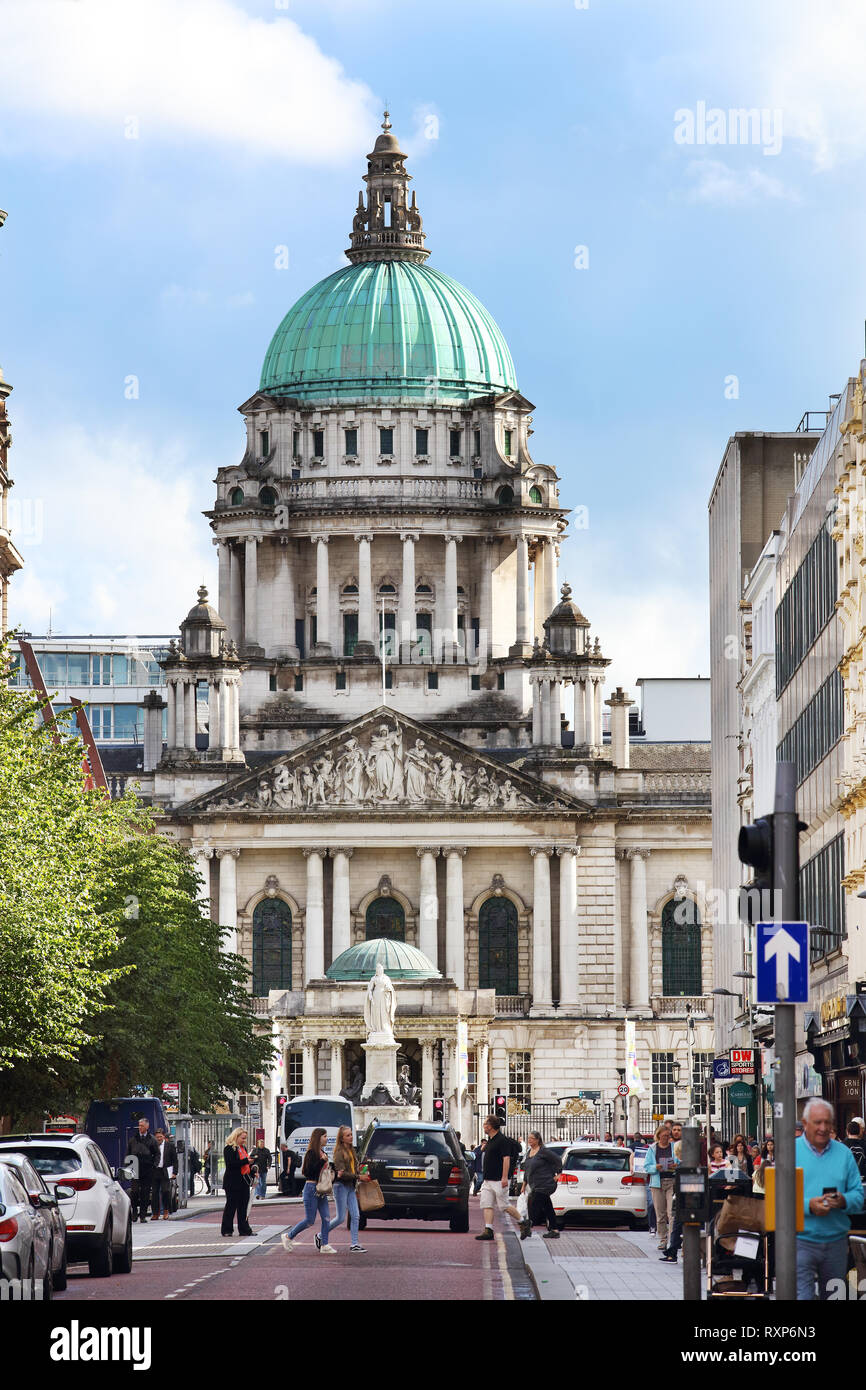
318,444
386,441
421,441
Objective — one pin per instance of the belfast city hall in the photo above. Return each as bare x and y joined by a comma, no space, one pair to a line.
411,751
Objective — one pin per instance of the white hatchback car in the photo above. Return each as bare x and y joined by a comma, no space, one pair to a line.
99,1215
600,1180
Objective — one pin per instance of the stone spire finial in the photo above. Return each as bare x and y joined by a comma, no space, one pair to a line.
202,593
388,227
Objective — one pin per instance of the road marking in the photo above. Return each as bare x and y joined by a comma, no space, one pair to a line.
486,1285
503,1268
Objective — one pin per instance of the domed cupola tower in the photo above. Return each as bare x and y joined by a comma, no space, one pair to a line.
387,535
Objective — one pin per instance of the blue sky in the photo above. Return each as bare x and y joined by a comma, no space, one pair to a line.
155,154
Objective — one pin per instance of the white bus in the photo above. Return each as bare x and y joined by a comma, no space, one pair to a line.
301,1115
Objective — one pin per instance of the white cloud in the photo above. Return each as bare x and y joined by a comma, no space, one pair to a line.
713,181
124,545
177,69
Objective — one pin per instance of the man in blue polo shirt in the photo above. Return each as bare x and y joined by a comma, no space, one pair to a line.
832,1190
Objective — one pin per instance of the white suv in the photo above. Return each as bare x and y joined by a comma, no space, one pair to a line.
600,1180
99,1215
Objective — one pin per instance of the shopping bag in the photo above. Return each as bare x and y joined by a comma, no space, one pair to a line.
370,1196
740,1214
523,1206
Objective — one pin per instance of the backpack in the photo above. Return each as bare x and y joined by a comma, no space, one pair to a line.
859,1154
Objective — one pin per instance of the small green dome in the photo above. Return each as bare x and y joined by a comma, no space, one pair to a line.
399,961
388,330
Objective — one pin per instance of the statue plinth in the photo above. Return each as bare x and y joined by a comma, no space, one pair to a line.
381,1066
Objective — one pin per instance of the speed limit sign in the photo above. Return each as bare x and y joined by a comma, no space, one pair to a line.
622,1090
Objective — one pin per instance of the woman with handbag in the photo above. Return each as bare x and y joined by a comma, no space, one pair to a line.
540,1173
346,1177
318,1187
236,1182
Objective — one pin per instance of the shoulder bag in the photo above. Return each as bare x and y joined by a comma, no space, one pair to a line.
370,1196
325,1185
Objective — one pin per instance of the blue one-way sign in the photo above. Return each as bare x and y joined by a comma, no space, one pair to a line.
783,963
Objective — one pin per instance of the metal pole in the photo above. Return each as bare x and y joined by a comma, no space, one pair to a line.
691,1158
690,1025
786,908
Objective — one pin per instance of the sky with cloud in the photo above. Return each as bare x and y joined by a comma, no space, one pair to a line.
157,153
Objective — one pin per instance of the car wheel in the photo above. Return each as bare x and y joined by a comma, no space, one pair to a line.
101,1262
460,1222
123,1257
639,1223
48,1281
61,1277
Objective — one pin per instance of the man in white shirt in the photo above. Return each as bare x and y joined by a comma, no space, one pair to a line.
164,1170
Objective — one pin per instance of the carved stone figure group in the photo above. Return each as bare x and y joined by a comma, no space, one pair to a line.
385,772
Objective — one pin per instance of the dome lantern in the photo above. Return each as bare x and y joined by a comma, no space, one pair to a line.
388,227
566,628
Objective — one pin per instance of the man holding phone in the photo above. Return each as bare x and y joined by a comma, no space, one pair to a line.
832,1190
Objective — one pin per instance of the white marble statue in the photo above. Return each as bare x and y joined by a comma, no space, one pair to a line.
380,1008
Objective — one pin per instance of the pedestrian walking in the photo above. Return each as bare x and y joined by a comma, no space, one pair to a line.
262,1159
768,1153
539,1184
346,1178
661,1163
479,1167
143,1147
672,1249
741,1158
237,1179
854,1141
164,1169
316,1172
832,1192
494,1187
207,1160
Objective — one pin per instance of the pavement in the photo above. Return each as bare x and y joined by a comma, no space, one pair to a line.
596,1264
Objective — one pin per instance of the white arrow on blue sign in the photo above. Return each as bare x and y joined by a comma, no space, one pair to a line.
783,963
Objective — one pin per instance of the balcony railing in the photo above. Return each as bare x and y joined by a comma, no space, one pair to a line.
513,1004
679,1005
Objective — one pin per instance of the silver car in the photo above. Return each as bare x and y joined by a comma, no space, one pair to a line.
26,1252
45,1200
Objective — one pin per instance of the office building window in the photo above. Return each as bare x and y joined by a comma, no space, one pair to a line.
520,1079
818,728
807,606
663,1089
822,897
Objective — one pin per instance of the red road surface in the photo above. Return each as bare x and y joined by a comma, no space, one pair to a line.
415,1261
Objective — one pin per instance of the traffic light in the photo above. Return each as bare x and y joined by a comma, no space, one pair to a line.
500,1106
755,847
438,1110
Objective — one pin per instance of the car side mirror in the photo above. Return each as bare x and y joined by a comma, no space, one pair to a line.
45,1199
63,1191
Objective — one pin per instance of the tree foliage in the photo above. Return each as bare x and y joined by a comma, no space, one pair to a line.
110,973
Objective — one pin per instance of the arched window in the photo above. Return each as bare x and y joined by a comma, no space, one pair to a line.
385,918
505,496
535,495
497,946
236,496
267,497
681,947
272,946
387,589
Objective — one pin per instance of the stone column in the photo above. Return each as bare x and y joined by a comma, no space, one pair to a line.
314,918
236,596
309,1062
485,601
522,634
202,854
597,692
226,711
569,979
454,1084
225,582
427,1080
341,922
214,725
619,705
406,617
449,641
550,575
285,603
228,896
153,705
588,712
190,715
366,644
538,613
544,695
454,946
323,598
579,713
482,1063
555,707
171,717
639,941
537,711
429,904
338,1080
251,592
542,991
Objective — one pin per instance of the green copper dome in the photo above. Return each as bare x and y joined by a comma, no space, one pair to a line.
388,329
399,961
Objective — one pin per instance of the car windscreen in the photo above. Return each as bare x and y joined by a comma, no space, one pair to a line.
49,1160
315,1113
398,1145
598,1161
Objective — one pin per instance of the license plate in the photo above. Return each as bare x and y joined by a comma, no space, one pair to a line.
599,1201
409,1173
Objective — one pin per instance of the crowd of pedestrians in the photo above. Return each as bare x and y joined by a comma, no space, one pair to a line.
155,1167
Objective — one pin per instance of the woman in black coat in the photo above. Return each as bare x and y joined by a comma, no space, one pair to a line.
237,1179
539,1177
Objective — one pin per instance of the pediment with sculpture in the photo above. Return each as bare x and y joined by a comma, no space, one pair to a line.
383,761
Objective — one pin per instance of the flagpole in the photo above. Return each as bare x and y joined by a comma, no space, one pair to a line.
382,645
